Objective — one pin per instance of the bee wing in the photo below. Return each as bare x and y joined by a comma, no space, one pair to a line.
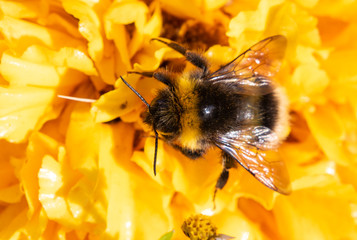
253,69
254,149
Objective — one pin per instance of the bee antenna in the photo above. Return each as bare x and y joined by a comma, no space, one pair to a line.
148,105
137,94
156,146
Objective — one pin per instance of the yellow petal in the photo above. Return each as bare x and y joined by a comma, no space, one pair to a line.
242,184
11,194
115,103
22,34
39,146
21,72
297,218
104,186
7,172
60,22
151,58
123,178
179,8
329,138
36,224
25,9
127,12
221,55
308,4
307,84
211,4
144,29
82,132
13,219
237,225
84,197
340,65
337,9
247,26
90,26
28,111
195,179
65,57
261,216
52,180
154,25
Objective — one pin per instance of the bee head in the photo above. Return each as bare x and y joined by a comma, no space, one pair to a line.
164,114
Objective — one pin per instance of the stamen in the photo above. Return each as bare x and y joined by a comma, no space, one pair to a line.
77,99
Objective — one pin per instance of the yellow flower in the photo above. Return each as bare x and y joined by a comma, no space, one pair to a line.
199,227
75,170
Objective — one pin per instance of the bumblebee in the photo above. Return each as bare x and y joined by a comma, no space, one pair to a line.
237,108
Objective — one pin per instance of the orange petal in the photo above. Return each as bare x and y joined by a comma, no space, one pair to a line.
11,194
13,219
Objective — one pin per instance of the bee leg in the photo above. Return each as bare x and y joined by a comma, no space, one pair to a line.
195,58
222,180
161,76
228,163
145,74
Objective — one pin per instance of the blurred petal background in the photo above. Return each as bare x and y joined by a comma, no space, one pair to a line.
73,170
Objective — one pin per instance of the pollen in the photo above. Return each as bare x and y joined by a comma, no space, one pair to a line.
199,227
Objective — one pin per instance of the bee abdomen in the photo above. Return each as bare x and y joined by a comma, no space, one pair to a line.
268,107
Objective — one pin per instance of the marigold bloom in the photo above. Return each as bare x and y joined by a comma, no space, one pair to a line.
74,170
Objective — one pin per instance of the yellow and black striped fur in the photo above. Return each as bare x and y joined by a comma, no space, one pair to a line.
237,108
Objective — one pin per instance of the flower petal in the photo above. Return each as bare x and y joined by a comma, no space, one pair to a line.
28,111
